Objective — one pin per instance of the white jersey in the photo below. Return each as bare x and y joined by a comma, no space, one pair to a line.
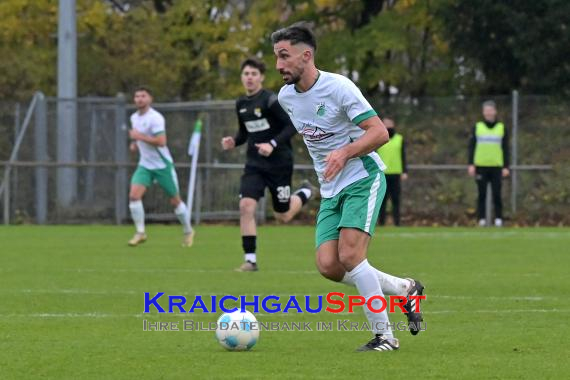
151,123
327,115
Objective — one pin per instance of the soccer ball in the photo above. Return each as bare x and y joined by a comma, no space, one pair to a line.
237,331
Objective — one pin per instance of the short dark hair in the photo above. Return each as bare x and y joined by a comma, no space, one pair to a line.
299,32
255,63
143,88
490,103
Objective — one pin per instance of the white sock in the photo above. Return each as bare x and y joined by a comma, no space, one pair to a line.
137,214
251,257
393,285
366,280
347,280
390,285
181,212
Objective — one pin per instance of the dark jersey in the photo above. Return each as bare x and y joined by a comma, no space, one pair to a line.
261,120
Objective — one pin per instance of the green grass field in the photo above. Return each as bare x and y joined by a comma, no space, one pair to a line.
72,303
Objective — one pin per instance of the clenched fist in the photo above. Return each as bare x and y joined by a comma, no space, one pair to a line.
264,149
228,143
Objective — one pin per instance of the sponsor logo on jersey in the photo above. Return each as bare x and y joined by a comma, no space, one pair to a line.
314,134
257,125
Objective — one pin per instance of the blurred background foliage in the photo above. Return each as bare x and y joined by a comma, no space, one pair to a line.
190,50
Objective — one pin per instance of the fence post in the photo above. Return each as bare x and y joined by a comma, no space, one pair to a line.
67,102
91,153
15,179
514,152
206,183
41,155
121,156
7,198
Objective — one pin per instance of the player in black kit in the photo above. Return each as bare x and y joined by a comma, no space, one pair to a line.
269,163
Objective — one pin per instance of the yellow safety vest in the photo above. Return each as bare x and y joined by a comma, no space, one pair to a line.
391,154
489,149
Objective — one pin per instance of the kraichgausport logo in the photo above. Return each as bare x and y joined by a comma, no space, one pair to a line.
335,303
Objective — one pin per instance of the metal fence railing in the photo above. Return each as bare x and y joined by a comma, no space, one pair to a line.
88,180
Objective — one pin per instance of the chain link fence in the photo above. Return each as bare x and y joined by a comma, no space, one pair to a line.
41,187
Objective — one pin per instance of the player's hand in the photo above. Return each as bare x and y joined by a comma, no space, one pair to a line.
471,170
264,149
135,135
228,143
506,172
404,176
133,147
336,160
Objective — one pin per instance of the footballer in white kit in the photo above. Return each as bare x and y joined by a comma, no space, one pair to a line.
342,133
155,164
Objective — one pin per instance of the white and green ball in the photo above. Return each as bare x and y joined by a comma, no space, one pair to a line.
237,331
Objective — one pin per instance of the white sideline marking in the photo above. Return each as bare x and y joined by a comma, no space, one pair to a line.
498,311
140,316
480,234
78,291
166,270
497,298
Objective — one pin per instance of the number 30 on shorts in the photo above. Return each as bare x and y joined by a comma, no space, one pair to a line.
283,193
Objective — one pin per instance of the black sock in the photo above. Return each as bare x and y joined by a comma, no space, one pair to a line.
302,195
248,243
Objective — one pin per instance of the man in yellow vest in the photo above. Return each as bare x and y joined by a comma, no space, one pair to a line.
393,154
489,160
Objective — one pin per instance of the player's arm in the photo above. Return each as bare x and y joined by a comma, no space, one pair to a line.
229,142
357,109
242,134
286,133
157,130
283,119
157,140
374,137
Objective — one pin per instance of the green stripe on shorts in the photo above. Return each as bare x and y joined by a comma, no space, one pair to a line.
356,206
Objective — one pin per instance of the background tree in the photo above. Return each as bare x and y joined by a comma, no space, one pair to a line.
504,45
187,49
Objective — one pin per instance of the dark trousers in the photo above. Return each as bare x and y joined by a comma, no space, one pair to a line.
483,176
393,189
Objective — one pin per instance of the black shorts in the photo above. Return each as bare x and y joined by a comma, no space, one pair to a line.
278,180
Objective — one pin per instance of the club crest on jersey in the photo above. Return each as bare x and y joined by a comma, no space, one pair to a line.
257,111
314,134
321,109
